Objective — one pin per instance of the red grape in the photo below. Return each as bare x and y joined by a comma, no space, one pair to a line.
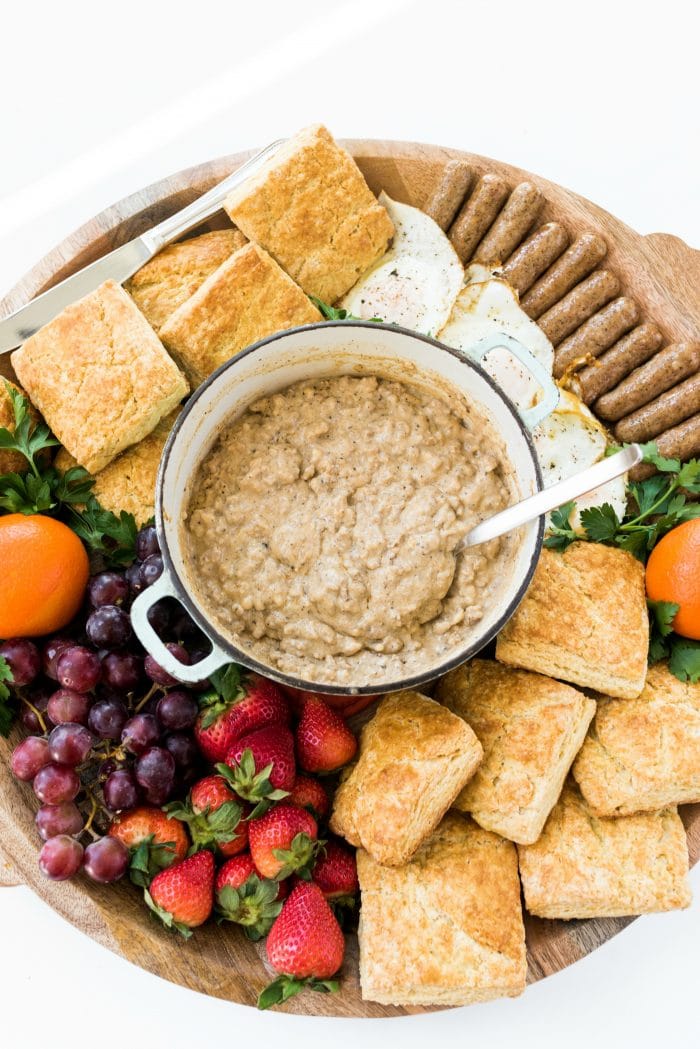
109,627
65,818
183,748
108,588
147,543
67,705
78,668
60,857
120,790
70,744
151,569
29,756
50,653
107,718
155,671
56,783
23,659
133,578
106,859
139,733
160,615
155,772
177,710
122,671
39,699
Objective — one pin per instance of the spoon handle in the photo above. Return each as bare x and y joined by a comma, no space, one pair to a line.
550,498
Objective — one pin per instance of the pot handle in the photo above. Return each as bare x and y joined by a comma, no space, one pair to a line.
531,417
152,643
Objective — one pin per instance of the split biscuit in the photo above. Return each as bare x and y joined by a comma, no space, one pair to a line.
447,928
414,758
176,272
247,298
643,754
531,729
310,207
100,376
584,866
129,482
583,619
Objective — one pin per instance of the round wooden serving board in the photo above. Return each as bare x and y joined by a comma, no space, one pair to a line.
659,271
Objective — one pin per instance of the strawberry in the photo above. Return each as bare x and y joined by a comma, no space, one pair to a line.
283,841
323,740
214,816
183,895
346,704
260,766
305,945
242,896
309,794
153,840
335,873
236,704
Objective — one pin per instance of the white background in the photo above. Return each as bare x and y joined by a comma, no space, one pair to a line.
100,99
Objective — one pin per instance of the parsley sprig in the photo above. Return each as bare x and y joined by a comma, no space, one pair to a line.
6,711
43,490
656,505
332,313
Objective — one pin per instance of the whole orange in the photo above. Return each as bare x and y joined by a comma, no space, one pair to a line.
673,574
43,573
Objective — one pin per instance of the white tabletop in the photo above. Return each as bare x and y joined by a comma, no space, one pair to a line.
100,100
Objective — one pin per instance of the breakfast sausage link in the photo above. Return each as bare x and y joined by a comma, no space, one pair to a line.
665,369
477,214
518,216
628,352
681,442
575,264
598,333
581,303
534,255
455,182
668,410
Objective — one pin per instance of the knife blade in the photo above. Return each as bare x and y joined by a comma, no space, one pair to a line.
123,262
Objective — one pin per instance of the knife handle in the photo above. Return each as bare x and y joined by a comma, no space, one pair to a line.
205,206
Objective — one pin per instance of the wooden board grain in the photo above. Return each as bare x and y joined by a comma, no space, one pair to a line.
659,271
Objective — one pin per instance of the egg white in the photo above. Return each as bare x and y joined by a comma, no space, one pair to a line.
416,282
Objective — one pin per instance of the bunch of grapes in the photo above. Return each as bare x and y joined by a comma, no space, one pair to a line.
110,728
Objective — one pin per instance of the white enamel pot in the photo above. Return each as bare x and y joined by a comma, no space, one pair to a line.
314,352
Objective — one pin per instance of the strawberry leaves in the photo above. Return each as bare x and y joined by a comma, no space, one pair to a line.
166,917
254,905
150,858
299,858
251,785
285,986
226,689
207,829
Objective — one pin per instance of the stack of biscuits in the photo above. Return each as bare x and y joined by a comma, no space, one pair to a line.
108,374
557,767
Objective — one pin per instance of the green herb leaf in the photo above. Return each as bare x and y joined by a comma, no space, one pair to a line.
332,313
6,711
561,534
685,659
658,649
600,523
663,613
662,464
105,533
28,438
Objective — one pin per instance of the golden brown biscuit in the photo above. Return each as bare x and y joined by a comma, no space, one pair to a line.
414,758
310,207
583,619
586,867
531,729
176,272
11,462
643,754
245,299
129,482
447,928
99,375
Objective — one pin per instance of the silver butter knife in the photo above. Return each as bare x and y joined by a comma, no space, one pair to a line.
123,262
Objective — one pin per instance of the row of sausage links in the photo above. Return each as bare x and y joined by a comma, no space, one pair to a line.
601,348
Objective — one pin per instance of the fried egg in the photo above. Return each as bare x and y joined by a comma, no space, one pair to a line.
567,442
416,282
485,306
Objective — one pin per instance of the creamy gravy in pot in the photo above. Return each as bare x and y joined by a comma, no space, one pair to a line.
322,523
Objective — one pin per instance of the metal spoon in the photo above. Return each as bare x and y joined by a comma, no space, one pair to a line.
549,499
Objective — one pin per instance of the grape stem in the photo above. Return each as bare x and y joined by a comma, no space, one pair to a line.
142,702
93,810
39,716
